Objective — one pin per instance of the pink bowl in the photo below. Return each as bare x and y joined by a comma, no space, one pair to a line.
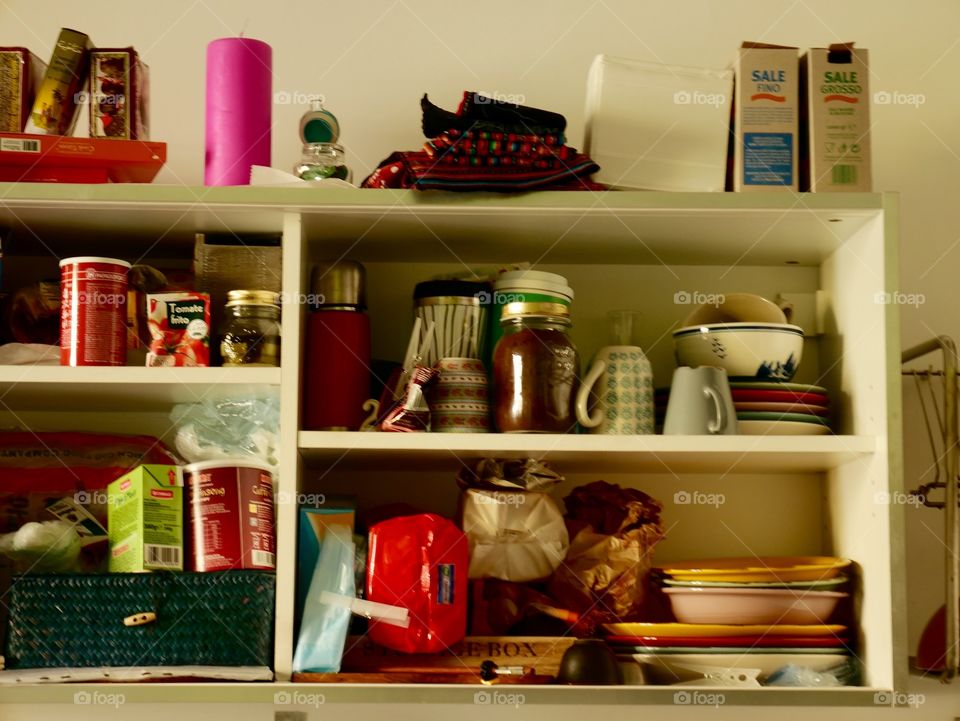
765,606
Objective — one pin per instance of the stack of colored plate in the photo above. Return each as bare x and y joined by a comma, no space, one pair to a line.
794,590
742,615
770,408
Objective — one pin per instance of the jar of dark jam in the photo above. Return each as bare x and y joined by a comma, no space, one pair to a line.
535,370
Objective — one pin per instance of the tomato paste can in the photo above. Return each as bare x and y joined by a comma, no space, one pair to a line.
93,311
230,504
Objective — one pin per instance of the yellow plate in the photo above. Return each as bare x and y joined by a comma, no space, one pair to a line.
689,630
758,569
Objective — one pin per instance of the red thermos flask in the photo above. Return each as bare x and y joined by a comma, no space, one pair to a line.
337,364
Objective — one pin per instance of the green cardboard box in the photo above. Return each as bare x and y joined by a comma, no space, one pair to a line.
145,520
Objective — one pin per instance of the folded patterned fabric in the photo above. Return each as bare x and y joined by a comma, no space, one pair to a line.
479,112
486,143
498,161
418,170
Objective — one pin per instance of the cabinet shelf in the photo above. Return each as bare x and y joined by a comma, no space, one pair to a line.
638,227
618,249
38,388
312,696
654,454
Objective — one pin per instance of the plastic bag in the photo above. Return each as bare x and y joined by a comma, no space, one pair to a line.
614,533
513,535
516,531
323,631
228,428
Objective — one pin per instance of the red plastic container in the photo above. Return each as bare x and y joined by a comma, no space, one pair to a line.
420,563
93,311
230,506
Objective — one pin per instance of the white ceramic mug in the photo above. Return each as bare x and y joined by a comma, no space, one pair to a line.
622,385
700,403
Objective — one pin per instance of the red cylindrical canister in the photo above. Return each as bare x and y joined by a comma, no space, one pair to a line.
230,515
337,369
93,311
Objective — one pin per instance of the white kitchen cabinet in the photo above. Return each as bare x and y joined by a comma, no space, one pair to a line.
836,253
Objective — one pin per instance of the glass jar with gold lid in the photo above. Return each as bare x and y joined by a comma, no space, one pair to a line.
250,335
535,370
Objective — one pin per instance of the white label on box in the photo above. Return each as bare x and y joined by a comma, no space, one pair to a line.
19,145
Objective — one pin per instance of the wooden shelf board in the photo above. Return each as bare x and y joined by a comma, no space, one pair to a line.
713,454
36,388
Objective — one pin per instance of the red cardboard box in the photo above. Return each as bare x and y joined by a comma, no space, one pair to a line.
61,159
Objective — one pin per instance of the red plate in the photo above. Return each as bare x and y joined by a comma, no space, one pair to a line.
727,641
812,399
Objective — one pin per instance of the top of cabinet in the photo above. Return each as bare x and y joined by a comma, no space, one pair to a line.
549,226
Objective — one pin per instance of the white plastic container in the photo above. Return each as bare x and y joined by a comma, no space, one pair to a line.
658,127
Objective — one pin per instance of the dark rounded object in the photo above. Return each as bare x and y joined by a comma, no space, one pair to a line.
589,662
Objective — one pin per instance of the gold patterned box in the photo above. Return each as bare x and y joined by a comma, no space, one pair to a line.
119,83
55,107
20,75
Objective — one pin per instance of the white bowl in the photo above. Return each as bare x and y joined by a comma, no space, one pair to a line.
745,606
737,308
768,351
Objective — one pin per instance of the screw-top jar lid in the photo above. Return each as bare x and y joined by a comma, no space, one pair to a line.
536,310
252,297
318,125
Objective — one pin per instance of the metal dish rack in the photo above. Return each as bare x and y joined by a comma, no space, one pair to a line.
945,454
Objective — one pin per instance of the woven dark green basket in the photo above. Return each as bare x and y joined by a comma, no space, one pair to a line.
206,619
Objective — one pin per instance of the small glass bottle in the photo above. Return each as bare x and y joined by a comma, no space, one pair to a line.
250,335
322,160
322,157
535,370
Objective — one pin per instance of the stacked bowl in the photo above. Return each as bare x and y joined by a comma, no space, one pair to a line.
745,334
749,337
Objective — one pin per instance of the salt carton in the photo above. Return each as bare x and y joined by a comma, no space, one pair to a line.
835,153
145,520
766,118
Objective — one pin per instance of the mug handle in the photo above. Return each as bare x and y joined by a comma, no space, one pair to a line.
583,395
720,420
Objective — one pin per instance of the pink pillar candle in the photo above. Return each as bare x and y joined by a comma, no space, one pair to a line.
239,104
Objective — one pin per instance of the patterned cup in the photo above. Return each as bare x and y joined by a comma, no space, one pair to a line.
622,393
459,401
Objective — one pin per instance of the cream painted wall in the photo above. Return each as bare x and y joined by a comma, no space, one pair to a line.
373,60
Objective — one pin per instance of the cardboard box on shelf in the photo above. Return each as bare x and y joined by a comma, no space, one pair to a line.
54,109
145,520
119,94
313,525
835,144
21,73
58,159
766,118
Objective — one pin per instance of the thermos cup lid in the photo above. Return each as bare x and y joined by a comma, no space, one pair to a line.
341,283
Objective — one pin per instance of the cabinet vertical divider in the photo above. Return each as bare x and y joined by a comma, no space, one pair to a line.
293,291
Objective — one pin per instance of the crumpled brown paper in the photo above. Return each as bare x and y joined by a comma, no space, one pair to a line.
614,531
